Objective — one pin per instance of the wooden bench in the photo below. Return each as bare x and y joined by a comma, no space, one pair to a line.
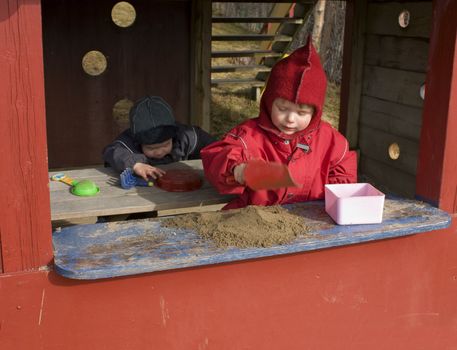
114,200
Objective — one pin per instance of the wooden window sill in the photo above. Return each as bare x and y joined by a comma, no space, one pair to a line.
128,248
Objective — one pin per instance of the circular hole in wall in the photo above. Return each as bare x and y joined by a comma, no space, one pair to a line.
403,18
121,111
394,151
123,14
94,63
422,91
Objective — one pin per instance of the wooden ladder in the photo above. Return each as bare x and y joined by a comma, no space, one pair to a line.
283,23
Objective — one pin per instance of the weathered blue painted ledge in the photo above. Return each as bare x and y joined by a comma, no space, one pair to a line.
140,246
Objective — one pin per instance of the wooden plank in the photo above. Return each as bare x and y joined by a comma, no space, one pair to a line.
397,52
129,248
382,18
113,200
200,67
375,144
386,178
250,82
155,200
352,75
217,19
233,68
113,192
206,208
24,200
392,118
245,53
393,85
251,37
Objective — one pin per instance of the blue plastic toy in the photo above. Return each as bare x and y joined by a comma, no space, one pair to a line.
129,180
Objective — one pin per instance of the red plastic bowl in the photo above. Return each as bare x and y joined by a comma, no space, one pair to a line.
179,180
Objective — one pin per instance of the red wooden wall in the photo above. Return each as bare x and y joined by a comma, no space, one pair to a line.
25,226
437,166
394,294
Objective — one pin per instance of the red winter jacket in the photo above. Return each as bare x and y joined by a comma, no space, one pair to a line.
315,156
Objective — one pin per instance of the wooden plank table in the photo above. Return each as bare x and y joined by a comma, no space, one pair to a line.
114,200
140,246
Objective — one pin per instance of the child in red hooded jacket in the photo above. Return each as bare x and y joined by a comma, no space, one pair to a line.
288,130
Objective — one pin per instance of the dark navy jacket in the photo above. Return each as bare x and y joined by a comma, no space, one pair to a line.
124,152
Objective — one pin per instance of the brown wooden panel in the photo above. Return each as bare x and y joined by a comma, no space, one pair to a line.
150,57
200,90
393,118
375,144
382,18
387,178
351,84
393,85
397,52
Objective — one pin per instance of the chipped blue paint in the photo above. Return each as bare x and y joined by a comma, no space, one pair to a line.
134,247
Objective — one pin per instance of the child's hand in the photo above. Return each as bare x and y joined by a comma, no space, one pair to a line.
238,173
147,171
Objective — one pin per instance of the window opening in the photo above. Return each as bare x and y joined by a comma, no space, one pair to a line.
248,38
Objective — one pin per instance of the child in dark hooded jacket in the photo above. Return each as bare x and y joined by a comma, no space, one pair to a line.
288,130
154,138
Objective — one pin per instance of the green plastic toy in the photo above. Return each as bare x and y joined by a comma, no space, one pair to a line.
83,188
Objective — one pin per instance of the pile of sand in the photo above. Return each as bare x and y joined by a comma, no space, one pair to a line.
252,226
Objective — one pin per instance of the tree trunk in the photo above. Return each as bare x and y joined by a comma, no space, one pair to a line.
319,16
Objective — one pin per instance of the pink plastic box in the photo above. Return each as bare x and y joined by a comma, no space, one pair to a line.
358,203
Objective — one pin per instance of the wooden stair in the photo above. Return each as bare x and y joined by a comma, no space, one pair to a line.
245,53
284,22
250,82
217,19
251,37
240,68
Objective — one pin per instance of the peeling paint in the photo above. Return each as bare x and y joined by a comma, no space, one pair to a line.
164,311
41,307
204,344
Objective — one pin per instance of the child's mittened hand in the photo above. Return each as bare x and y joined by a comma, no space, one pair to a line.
147,171
238,173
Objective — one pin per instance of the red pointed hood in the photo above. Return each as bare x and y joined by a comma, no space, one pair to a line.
298,78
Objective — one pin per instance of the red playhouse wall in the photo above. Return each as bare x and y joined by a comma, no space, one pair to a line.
25,222
437,166
392,294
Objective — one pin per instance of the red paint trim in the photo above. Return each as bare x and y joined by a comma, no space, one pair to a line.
437,165
25,224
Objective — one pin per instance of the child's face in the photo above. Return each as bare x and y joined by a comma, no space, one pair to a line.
290,117
157,150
